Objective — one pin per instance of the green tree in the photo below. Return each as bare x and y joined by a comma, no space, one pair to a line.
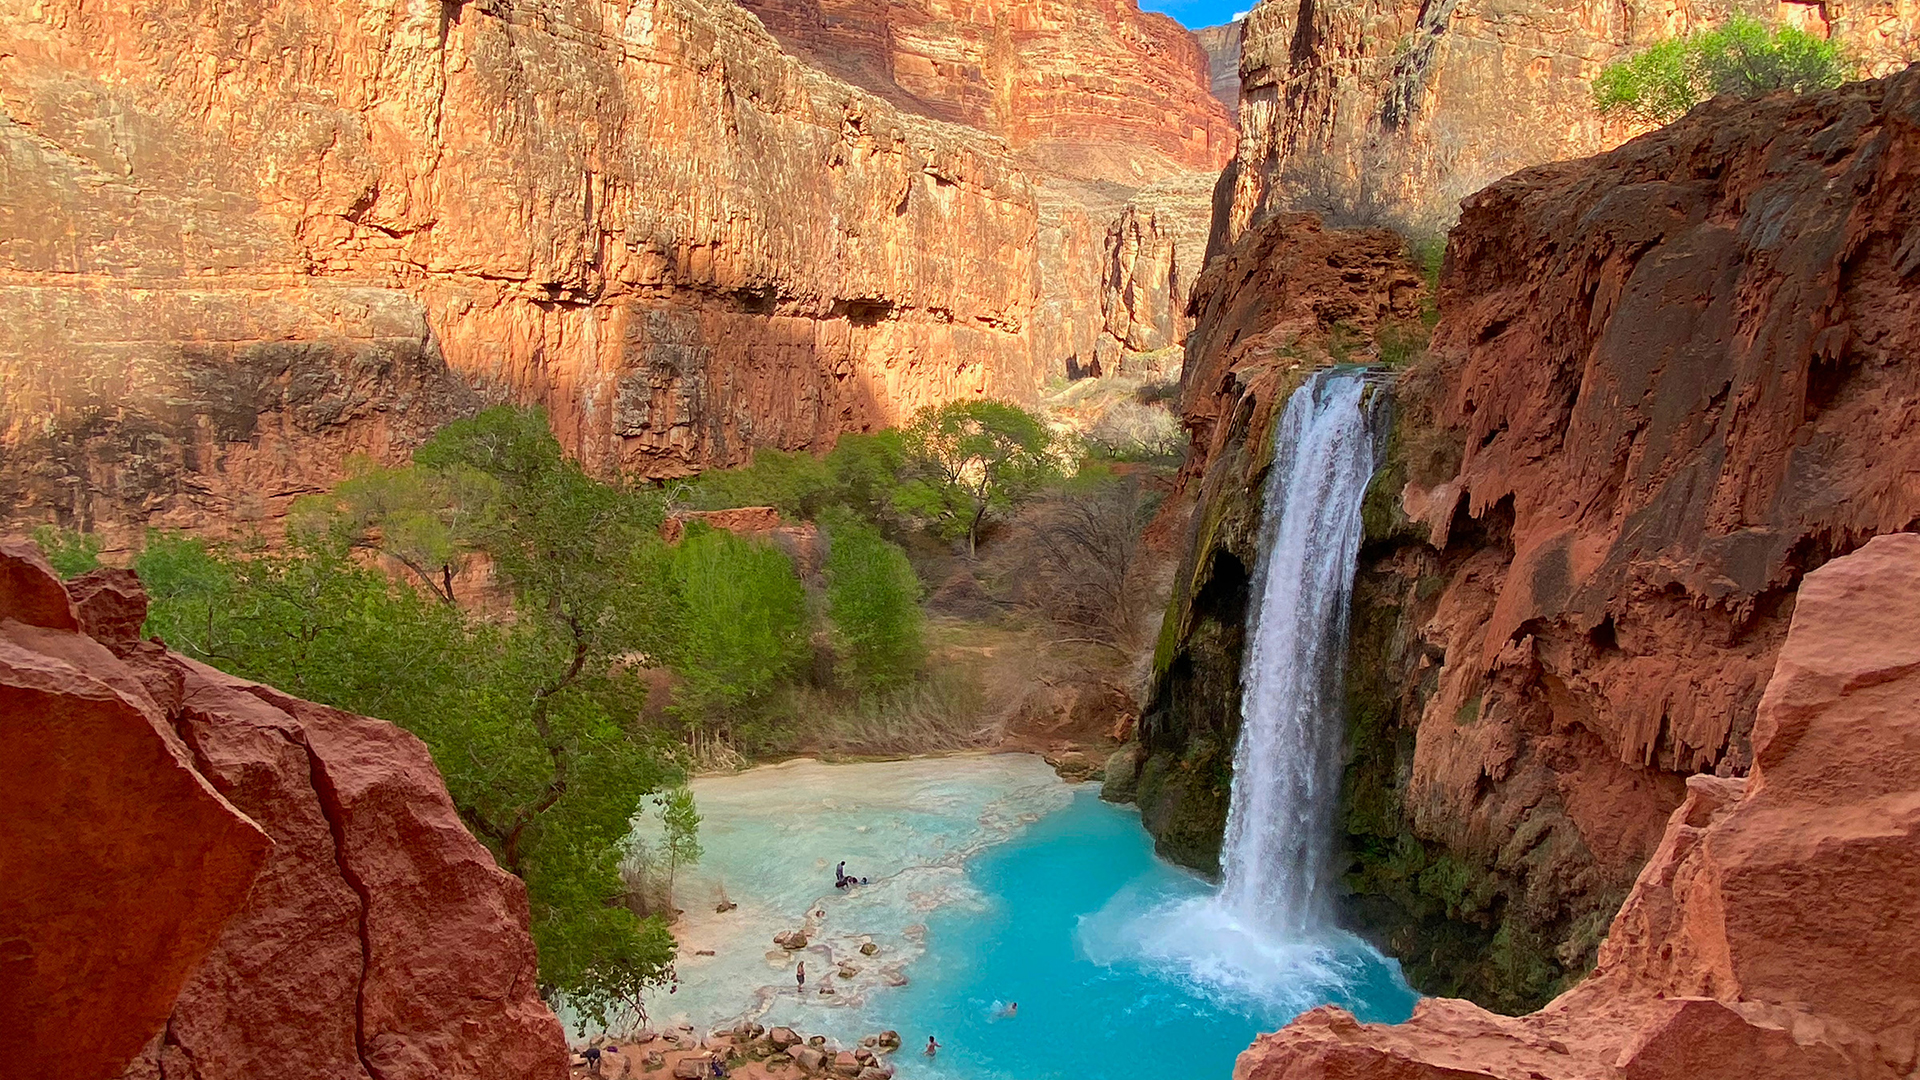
970,460
427,520
799,485
742,617
680,823
873,601
866,472
531,719
1742,57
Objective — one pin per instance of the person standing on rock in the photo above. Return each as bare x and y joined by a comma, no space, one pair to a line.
800,976
593,1060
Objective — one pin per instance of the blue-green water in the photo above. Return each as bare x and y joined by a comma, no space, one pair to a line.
992,882
1110,953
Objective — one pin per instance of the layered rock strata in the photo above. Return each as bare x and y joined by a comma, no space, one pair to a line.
1222,46
207,878
239,244
1380,111
1084,89
1666,383
645,216
1768,936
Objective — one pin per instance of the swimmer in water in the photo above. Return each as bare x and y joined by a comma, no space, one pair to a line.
931,1046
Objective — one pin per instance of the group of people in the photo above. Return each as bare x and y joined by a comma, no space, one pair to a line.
841,879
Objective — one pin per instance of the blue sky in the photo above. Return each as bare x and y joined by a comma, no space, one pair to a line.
1195,14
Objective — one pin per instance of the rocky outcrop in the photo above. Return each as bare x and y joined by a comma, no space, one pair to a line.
1768,935
121,861
1083,89
1222,46
1665,384
1382,111
207,878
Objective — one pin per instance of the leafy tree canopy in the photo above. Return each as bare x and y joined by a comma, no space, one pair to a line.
1742,56
873,600
531,719
968,461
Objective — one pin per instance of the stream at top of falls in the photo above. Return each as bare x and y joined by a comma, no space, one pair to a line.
989,881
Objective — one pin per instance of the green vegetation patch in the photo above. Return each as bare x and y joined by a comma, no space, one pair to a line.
1741,56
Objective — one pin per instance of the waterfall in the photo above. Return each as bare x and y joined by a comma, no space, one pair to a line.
1286,765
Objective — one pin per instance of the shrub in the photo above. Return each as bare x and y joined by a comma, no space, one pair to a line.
1742,56
873,600
742,619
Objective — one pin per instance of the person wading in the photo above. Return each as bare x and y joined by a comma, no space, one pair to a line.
931,1046
800,976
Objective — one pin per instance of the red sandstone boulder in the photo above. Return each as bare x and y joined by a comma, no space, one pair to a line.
118,861
372,937
1772,935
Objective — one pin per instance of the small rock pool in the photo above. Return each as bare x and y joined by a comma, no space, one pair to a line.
989,882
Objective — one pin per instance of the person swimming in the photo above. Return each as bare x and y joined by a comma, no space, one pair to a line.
931,1046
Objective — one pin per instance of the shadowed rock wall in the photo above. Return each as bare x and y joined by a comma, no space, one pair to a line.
1767,937
242,242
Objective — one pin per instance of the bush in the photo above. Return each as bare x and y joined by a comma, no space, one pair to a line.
799,485
743,619
1742,57
1129,431
873,600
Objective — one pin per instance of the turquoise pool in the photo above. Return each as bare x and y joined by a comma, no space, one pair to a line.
990,883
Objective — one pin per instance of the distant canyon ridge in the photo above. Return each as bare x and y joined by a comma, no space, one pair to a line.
241,243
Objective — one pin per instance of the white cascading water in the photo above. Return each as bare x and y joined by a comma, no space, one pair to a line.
1286,766
1267,935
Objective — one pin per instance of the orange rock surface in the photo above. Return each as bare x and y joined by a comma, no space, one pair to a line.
1770,936
120,861
1385,111
1088,89
240,243
1666,383
209,879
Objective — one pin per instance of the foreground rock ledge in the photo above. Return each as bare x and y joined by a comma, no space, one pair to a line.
1772,934
206,879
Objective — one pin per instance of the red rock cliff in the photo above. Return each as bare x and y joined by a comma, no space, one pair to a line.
1769,937
1089,89
206,878
1667,382
241,242
1385,111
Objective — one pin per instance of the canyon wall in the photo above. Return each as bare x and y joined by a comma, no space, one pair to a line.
209,879
1081,89
1386,112
1769,936
241,243
1666,383
1222,45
